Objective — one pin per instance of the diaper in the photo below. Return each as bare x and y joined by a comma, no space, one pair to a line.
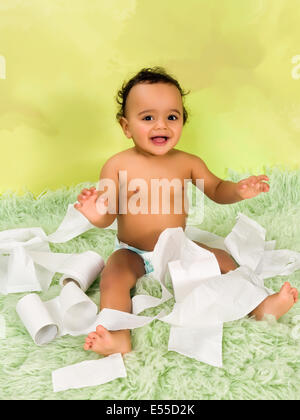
146,255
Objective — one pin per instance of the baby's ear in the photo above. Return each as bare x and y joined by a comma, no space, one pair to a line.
124,124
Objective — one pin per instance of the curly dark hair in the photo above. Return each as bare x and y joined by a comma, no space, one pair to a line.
147,75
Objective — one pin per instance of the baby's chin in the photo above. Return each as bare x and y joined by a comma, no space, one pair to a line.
156,149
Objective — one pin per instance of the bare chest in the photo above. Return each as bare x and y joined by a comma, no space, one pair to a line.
160,191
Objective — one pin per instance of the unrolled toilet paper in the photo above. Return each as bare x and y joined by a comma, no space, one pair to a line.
72,312
27,263
204,298
89,373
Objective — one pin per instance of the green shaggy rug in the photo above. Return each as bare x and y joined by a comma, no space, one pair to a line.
261,360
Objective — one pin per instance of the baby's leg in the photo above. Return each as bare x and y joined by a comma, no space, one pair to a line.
278,303
226,262
118,277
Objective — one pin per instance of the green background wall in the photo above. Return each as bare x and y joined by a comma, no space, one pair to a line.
62,62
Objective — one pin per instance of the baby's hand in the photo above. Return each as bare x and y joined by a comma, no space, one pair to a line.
90,206
252,186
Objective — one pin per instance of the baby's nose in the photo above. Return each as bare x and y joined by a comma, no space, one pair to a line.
161,123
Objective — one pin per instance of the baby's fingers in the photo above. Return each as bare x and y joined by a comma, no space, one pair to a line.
262,178
102,205
259,181
86,193
264,187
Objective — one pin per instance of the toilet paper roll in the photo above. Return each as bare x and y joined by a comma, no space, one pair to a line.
72,312
82,268
78,311
37,319
205,299
27,263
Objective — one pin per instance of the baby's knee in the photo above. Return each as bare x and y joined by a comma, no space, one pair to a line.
225,261
115,279
109,279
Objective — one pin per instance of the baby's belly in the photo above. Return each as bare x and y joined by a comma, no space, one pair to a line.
142,231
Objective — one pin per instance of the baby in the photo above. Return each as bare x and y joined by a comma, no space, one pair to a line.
152,114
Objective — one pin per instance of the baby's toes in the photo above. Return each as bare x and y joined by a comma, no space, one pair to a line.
286,288
89,341
87,344
101,331
294,292
94,338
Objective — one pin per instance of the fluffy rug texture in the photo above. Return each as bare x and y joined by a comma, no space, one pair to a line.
261,359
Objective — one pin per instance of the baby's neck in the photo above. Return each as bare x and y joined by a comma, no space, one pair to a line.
153,156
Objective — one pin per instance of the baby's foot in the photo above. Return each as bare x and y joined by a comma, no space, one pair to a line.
277,304
107,342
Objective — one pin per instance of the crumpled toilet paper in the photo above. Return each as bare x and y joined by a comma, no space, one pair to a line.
27,263
204,298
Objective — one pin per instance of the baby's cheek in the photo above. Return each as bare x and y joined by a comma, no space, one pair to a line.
144,131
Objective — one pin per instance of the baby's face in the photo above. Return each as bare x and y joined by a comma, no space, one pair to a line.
153,110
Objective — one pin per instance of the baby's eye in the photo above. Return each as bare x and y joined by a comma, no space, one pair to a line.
150,116
173,116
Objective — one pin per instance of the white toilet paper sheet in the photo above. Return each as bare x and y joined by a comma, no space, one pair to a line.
27,263
204,298
89,373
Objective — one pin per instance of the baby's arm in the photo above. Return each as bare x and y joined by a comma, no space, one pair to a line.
227,192
98,206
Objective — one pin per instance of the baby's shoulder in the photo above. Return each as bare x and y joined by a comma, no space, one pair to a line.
117,161
119,157
185,156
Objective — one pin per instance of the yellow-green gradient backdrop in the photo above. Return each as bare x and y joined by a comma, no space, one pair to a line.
62,62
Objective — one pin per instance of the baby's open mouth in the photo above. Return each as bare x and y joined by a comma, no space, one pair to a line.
159,141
